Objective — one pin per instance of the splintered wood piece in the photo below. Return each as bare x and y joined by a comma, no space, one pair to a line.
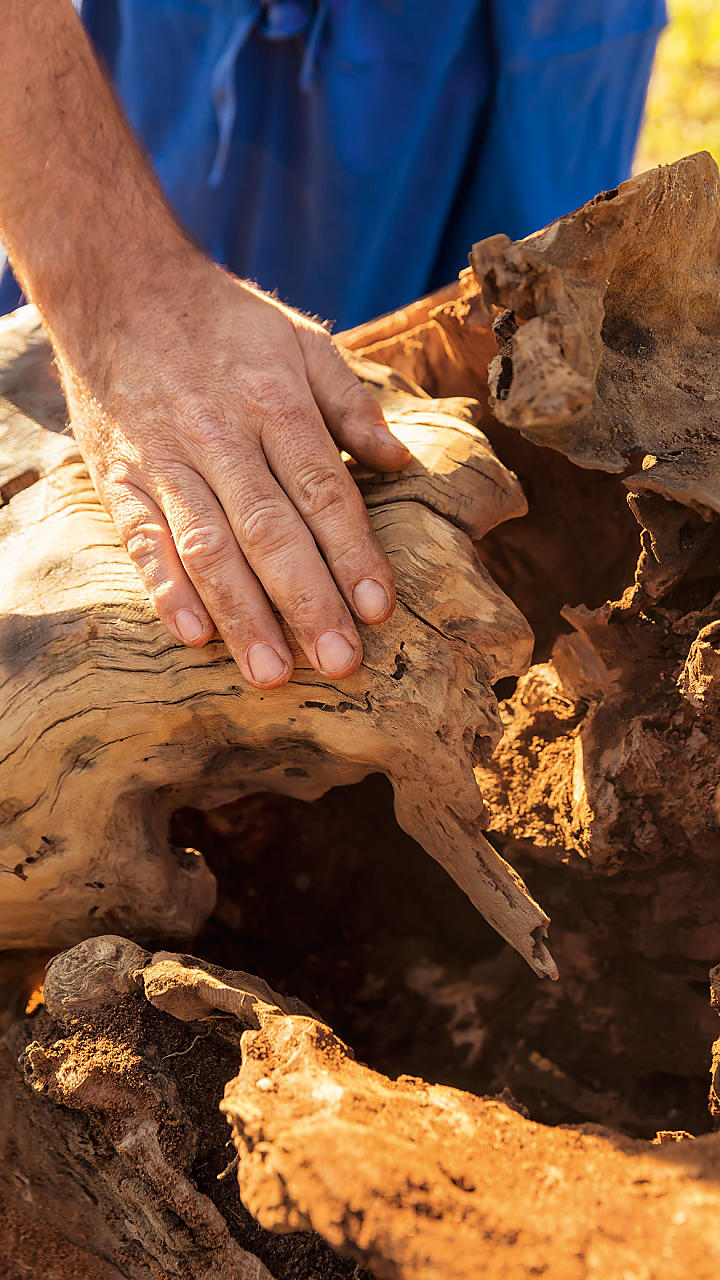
616,359
107,725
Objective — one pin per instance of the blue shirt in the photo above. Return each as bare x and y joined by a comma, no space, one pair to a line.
347,153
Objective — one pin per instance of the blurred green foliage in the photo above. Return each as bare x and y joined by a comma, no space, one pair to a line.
683,106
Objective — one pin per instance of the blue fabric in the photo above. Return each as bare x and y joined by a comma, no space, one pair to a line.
347,153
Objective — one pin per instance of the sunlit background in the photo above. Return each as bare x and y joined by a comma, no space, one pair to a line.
683,107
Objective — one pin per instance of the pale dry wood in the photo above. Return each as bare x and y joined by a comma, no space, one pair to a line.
444,342
453,472
403,320
617,358
108,725
606,759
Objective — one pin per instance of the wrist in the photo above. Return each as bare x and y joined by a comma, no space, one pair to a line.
134,300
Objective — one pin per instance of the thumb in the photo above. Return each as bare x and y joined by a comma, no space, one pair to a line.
352,414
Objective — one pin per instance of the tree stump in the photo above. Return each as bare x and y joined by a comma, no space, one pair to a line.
602,398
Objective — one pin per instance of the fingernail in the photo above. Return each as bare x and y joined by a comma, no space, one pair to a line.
188,625
384,436
370,599
265,663
333,651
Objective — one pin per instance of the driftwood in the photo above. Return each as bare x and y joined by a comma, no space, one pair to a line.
418,1181
108,726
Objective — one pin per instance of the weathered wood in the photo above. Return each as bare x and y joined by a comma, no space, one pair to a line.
616,358
616,361
444,340
123,1075
607,777
444,1184
102,1145
606,327
108,725
605,785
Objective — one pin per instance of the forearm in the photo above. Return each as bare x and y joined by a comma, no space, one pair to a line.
82,216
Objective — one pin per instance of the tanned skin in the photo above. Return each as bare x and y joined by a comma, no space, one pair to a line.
210,416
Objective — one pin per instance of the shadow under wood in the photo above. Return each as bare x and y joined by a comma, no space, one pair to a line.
333,903
578,544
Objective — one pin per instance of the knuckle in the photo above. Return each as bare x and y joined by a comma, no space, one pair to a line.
363,401
309,608
264,528
114,471
302,604
203,549
197,410
357,404
164,598
322,489
144,546
205,424
270,396
266,387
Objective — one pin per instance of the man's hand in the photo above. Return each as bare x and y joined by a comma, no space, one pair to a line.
211,417
212,431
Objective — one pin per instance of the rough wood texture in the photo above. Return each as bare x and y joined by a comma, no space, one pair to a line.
607,782
123,1075
615,360
108,725
104,1145
605,785
443,340
445,1184
607,328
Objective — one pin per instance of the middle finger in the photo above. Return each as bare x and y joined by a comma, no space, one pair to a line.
306,461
